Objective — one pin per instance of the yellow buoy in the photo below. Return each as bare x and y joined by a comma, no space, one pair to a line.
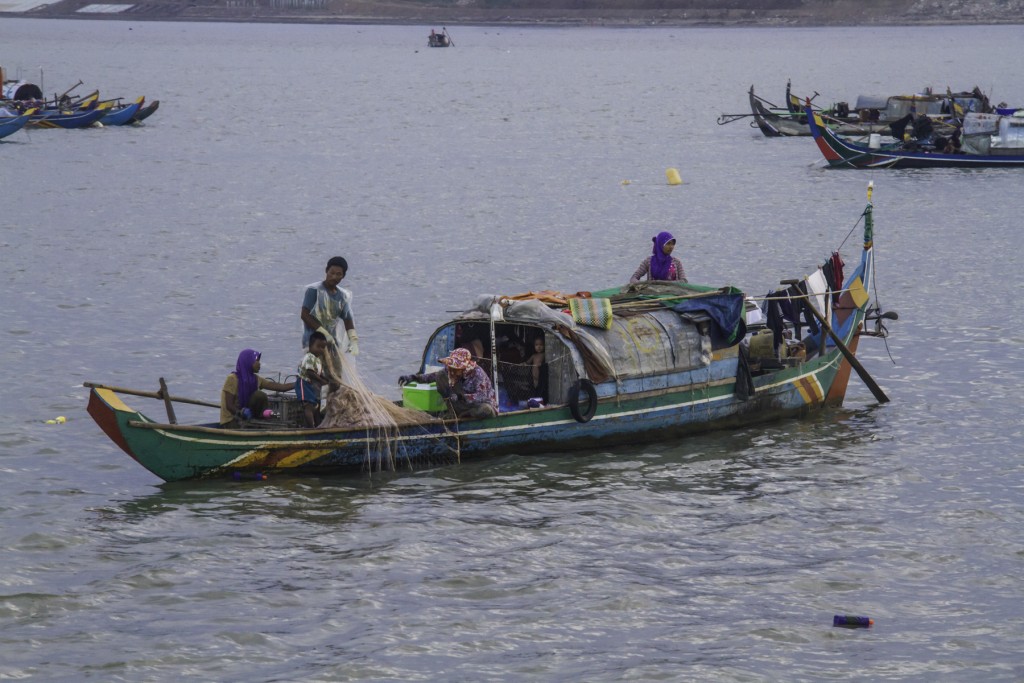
61,419
673,176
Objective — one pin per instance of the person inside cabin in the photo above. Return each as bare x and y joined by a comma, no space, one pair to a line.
312,379
462,383
468,337
512,353
241,397
511,348
661,265
324,304
538,370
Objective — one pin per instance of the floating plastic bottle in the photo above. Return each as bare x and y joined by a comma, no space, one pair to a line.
851,621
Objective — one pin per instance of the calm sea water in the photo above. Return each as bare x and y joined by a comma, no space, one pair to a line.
498,166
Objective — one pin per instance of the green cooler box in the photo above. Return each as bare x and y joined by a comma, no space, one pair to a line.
422,397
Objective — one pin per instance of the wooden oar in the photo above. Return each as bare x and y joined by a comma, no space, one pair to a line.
166,396
151,394
848,355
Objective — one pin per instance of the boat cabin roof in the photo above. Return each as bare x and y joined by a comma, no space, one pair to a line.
636,330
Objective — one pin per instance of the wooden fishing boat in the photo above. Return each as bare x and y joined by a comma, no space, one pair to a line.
121,114
146,111
9,125
784,123
441,39
979,146
643,362
869,114
53,118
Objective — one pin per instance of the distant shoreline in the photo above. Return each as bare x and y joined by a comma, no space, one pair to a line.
156,11
524,23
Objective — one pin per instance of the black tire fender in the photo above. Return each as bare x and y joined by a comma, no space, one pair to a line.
586,386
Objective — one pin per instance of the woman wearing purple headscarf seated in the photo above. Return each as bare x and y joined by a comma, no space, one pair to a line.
242,390
661,265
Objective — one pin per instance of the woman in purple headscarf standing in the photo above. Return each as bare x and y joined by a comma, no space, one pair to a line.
242,389
661,265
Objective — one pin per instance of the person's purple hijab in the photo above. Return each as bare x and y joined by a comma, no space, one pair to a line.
660,261
247,382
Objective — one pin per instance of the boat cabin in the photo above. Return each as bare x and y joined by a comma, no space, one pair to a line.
647,344
994,135
895,107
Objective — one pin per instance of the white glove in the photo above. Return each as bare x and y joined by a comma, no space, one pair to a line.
353,343
330,338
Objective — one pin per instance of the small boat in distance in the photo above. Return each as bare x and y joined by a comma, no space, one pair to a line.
441,39
648,361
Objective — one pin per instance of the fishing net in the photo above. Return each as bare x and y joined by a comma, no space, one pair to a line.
354,406
520,382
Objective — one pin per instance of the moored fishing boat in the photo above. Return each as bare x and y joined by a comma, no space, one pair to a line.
987,140
121,114
145,112
784,123
869,113
57,118
643,362
12,123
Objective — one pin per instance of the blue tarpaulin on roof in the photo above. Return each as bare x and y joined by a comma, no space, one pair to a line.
726,312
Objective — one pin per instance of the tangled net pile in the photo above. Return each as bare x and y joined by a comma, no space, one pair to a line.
354,405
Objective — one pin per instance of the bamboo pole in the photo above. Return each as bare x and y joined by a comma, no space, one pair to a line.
150,394
166,396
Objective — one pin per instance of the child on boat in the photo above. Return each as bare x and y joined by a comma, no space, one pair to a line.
312,379
539,370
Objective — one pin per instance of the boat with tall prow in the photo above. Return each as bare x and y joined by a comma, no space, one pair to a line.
650,361
985,140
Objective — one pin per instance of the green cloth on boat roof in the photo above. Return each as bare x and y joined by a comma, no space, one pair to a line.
659,290
723,305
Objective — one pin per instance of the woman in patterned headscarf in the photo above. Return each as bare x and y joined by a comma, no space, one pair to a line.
661,265
241,391
463,383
